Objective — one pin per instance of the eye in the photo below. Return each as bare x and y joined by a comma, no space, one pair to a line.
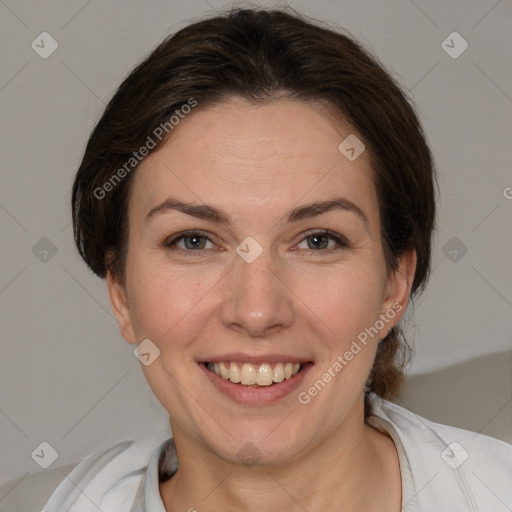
193,241
320,241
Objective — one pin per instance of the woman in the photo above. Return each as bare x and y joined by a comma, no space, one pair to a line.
260,198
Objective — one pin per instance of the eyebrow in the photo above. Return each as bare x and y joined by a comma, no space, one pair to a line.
211,213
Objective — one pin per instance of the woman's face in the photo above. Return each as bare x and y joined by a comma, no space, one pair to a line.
258,285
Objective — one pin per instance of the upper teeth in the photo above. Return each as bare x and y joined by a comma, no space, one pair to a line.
261,374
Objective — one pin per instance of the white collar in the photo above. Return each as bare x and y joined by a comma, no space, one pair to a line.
428,481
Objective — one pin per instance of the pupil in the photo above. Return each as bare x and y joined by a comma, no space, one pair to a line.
193,245
318,237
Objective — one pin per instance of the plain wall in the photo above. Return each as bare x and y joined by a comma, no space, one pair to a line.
66,375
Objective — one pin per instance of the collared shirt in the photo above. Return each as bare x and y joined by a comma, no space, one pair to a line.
442,469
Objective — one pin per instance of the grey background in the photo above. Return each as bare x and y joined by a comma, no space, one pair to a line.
66,375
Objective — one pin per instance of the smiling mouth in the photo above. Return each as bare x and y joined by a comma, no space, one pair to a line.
256,375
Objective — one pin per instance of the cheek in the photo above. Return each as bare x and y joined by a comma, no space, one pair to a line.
165,306
347,301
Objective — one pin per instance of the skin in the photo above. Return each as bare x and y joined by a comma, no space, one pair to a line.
257,162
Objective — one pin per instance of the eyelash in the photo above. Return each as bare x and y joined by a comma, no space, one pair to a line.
339,239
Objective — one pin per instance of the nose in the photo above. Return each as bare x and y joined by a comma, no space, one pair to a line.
257,300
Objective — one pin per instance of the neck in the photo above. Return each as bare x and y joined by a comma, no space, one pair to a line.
355,468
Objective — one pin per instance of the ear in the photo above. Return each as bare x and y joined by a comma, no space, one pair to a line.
398,289
119,304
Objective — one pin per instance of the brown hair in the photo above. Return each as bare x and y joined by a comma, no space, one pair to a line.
258,54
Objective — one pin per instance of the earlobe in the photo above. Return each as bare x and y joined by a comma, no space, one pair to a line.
120,308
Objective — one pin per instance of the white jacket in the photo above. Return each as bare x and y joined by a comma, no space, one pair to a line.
443,469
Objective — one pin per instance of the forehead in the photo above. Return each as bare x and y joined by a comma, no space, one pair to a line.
259,156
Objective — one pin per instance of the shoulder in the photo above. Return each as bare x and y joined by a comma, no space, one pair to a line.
450,461
111,472
414,427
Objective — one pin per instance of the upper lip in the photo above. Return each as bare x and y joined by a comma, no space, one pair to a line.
255,359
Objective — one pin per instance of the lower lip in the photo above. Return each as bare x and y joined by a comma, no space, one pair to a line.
258,395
